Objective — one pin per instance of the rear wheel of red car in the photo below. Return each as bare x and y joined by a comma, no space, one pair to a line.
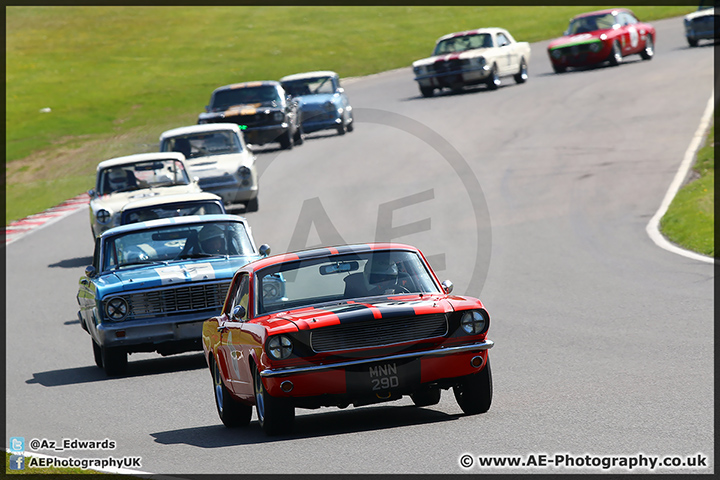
425,398
615,55
114,360
231,412
559,69
275,415
522,75
97,353
474,393
493,81
648,52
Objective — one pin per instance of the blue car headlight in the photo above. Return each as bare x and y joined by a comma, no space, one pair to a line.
116,309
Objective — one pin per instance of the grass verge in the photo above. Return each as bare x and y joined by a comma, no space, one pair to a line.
690,219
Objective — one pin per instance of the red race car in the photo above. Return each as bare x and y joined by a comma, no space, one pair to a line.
354,324
602,36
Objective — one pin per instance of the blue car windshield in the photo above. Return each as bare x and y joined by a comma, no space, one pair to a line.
309,86
165,243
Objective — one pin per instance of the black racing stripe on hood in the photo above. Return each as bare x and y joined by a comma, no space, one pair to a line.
357,312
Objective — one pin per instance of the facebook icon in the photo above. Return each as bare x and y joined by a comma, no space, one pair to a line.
17,462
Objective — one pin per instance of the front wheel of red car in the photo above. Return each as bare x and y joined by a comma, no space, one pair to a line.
275,415
615,55
474,393
648,52
231,412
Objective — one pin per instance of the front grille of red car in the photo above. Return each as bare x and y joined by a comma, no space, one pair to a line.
177,300
575,49
378,333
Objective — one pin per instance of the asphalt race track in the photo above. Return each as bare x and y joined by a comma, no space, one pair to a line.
534,198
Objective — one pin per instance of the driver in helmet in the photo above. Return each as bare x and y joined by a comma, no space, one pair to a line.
120,179
381,275
212,240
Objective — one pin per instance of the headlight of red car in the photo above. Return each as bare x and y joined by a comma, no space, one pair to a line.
279,347
474,322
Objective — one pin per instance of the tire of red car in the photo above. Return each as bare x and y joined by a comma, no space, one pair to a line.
648,52
232,413
275,415
474,392
615,54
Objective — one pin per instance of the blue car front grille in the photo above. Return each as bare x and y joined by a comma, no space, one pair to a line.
177,300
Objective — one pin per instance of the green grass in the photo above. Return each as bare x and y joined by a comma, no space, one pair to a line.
54,470
115,77
690,219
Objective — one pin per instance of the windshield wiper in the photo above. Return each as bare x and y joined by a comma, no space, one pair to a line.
199,255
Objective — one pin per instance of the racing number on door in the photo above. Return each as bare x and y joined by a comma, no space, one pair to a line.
384,377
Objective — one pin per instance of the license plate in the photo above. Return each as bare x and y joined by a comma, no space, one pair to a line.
379,378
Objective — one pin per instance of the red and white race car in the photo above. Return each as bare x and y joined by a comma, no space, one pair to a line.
354,324
602,36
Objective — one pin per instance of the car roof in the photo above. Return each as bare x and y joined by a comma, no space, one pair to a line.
259,83
207,127
600,12
188,219
175,198
303,76
469,32
141,157
326,251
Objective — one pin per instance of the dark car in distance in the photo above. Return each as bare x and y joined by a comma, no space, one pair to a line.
262,109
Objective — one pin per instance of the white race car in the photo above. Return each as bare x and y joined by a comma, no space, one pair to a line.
472,57
217,155
125,179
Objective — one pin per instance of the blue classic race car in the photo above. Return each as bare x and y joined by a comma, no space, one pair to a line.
152,284
322,101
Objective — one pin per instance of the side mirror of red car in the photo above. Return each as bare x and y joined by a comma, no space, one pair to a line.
447,286
238,314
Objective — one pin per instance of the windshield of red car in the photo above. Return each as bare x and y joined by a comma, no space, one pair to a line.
591,23
344,277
